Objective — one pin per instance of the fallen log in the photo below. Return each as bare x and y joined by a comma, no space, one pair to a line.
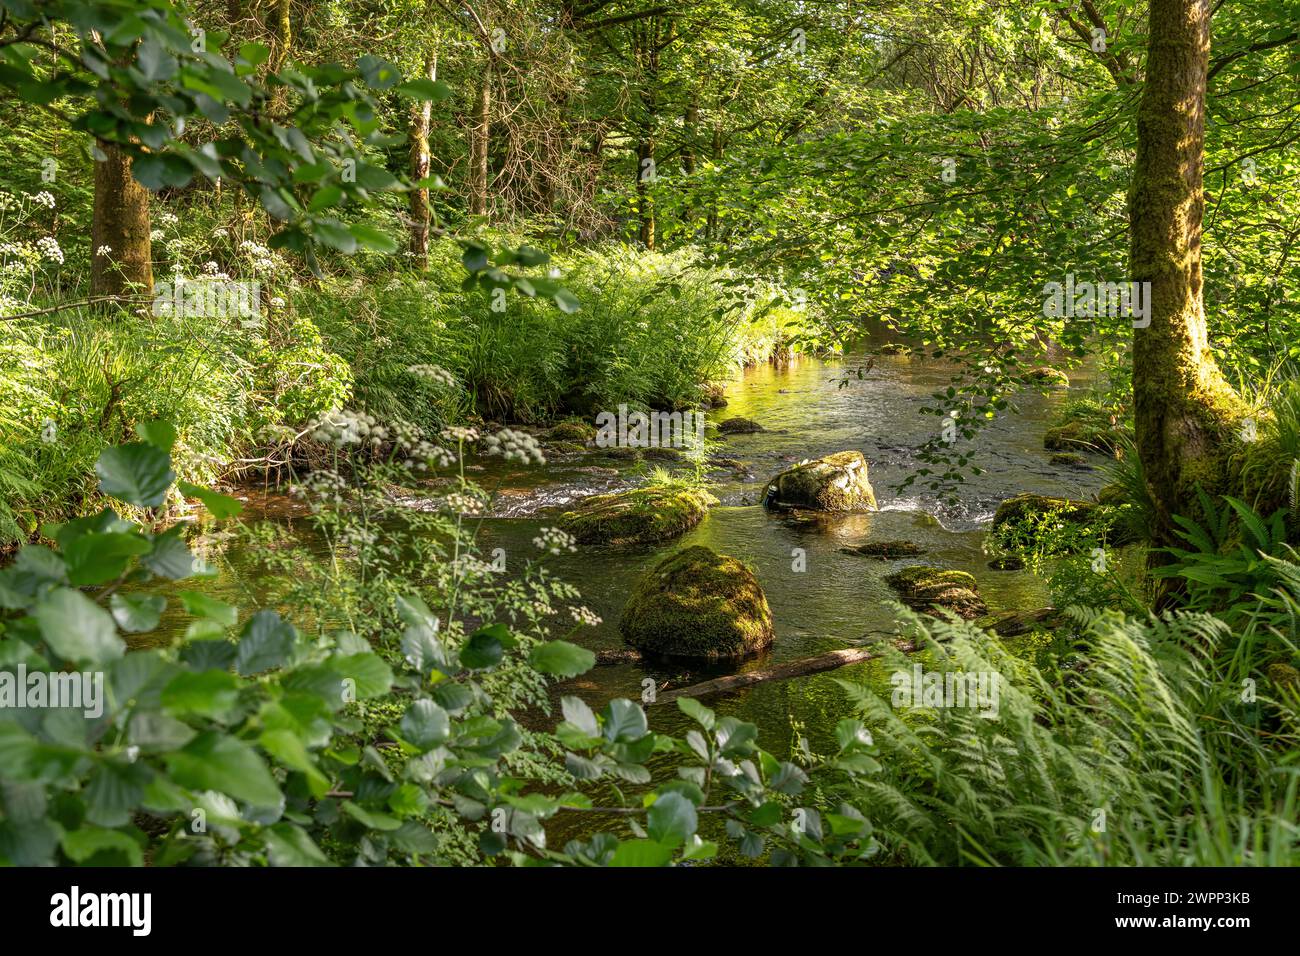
806,665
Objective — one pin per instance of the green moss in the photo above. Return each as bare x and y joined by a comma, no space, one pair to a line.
927,588
698,604
1076,434
639,516
835,483
572,432
566,447
1284,676
1049,377
1017,623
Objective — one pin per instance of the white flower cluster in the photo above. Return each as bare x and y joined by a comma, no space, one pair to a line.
469,505
263,258
345,427
435,374
420,454
45,199
585,615
459,433
169,219
555,541
7,201
324,484
49,247
469,566
104,251
514,446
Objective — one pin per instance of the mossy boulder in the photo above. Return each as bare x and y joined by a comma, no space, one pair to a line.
661,454
698,604
1045,376
886,550
1075,435
566,447
1022,507
579,432
639,516
739,426
835,483
715,395
927,588
1284,677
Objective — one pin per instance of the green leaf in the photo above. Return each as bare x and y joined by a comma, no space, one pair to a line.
209,693
162,435
672,819
624,720
214,761
98,558
200,605
484,647
425,89
77,629
561,659
426,725
264,643
138,474
289,845
641,853
137,613
80,845
220,506
375,240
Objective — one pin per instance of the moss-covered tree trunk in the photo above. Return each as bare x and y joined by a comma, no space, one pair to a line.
421,117
1184,410
121,255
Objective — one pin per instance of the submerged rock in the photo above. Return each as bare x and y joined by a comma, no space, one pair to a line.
662,454
886,550
739,426
894,348
1007,562
714,395
835,483
1069,460
1016,623
1021,507
698,604
927,588
639,516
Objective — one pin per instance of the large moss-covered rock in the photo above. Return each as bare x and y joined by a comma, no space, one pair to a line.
639,516
835,483
1017,623
572,431
927,588
1022,507
698,604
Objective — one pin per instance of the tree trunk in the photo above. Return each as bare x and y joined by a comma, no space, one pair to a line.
121,223
1183,407
421,116
281,42
645,165
480,134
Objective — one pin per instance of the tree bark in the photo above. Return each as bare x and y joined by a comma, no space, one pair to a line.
480,134
120,222
421,117
1184,409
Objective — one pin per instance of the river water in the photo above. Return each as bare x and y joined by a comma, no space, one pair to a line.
810,408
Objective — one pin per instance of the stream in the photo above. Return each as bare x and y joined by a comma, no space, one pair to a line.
838,598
